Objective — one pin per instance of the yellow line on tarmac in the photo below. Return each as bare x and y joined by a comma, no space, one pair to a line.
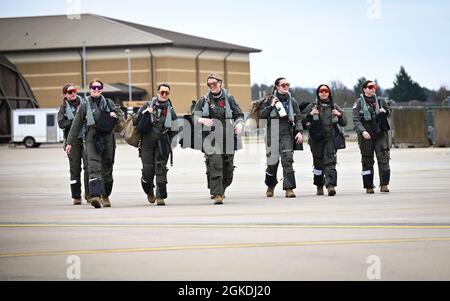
224,226
224,246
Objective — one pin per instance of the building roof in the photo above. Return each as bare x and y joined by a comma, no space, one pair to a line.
62,32
184,40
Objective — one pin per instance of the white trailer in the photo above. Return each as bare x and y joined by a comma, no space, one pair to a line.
35,126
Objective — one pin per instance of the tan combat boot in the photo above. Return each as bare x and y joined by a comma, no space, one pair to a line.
384,188
319,190
212,197
290,193
370,191
96,202
270,192
331,190
160,202
218,199
151,197
77,201
106,202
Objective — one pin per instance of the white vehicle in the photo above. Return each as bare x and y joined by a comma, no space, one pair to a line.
35,126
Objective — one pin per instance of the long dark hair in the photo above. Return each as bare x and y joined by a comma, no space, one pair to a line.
318,89
277,82
66,87
365,84
330,97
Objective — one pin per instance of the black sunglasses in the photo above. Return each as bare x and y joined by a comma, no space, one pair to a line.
98,88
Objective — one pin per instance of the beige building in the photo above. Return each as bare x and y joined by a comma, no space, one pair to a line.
48,51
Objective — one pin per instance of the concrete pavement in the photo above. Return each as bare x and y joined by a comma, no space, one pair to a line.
250,237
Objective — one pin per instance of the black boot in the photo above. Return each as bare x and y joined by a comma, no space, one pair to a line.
75,189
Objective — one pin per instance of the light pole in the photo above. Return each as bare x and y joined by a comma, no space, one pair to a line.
128,51
84,68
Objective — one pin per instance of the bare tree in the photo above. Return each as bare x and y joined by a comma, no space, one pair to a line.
342,95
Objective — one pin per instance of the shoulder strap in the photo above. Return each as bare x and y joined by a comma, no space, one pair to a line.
89,114
111,104
361,104
378,100
205,107
151,102
228,110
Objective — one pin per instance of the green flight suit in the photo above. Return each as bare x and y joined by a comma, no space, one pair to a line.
77,156
284,143
220,161
156,146
379,142
324,151
100,148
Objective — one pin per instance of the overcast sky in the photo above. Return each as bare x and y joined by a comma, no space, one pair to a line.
309,42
